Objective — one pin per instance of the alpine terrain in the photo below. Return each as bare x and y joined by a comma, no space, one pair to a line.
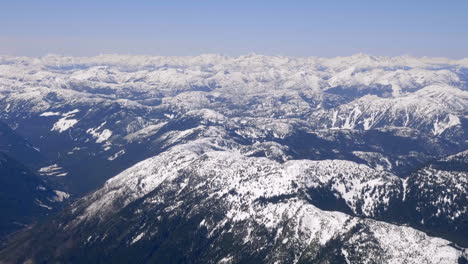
217,159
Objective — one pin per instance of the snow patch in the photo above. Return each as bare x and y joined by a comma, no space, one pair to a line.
50,114
102,136
137,238
116,155
441,125
60,196
64,124
53,170
41,204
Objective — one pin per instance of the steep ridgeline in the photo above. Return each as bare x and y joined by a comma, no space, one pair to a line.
203,203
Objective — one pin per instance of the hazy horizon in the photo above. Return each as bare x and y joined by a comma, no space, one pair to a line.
186,28
234,56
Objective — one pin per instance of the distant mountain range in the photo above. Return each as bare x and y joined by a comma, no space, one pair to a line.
250,159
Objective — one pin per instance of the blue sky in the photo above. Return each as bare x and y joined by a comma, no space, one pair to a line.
292,28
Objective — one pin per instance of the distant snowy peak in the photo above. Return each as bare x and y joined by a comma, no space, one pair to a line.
425,96
402,73
432,109
207,59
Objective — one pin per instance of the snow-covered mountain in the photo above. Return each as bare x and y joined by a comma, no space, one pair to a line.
253,158
200,202
104,109
438,194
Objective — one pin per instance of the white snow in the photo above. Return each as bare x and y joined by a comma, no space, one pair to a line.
405,188
117,154
64,124
60,196
441,126
41,204
102,136
137,238
51,114
53,170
